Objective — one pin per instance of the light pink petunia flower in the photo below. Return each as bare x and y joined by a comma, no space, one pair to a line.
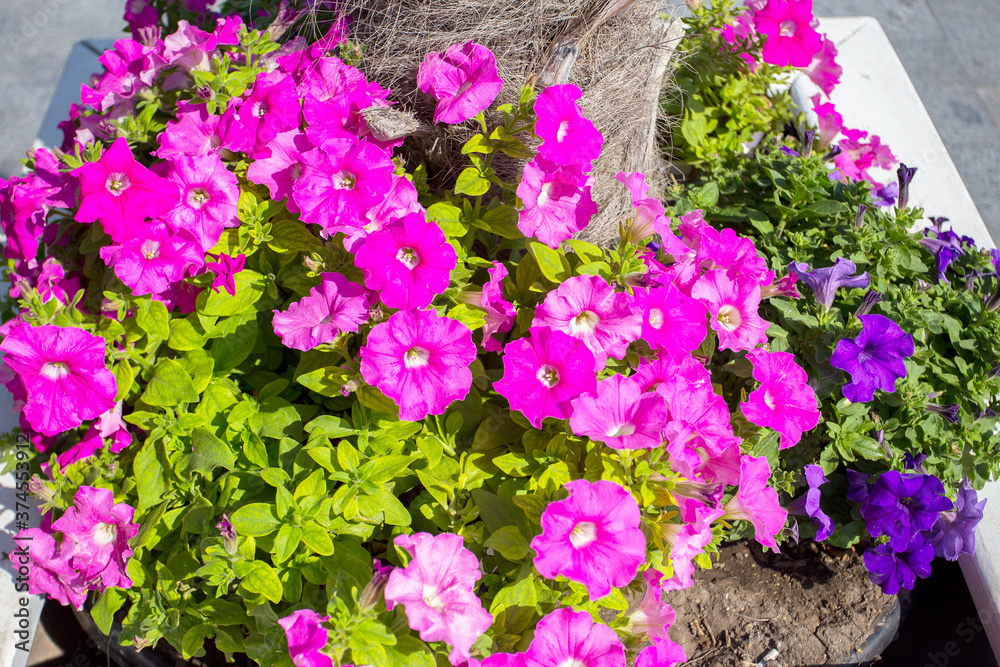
100,530
437,591
154,258
567,137
688,539
791,39
592,537
306,638
621,415
557,201
567,638
653,616
409,262
671,321
333,306
756,502
63,373
544,372
588,308
732,307
650,217
463,80
783,401
500,313
824,71
209,194
420,360
121,193
225,271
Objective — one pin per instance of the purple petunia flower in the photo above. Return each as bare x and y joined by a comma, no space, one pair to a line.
874,358
886,195
914,461
809,503
858,486
954,532
824,282
900,505
946,247
893,570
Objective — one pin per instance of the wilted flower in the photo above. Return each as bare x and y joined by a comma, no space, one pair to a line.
825,282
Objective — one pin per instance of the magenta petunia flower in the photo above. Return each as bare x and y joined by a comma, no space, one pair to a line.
873,358
588,308
306,638
671,321
653,616
279,170
571,638
49,569
420,360
649,216
437,591
463,80
194,132
557,201
100,530
592,537
544,372
688,539
663,653
500,313
335,305
824,70
209,194
154,257
791,39
621,415
340,181
225,271
410,262
783,401
272,106
397,203
732,306
23,207
567,137
121,193
64,374
756,502
109,427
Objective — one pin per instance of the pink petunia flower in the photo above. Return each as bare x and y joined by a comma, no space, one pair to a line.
121,193
437,590
271,106
649,216
544,372
410,262
400,201
279,170
109,427
557,201
687,540
49,568
571,638
621,415
732,307
60,187
830,122
129,68
420,360
756,502
663,653
463,80
63,373
567,137
23,207
335,305
340,182
592,537
225,271
189,48
824,71
194,132
588,308
671,321
153,258
791,39
653,616
209,194
783,401
100,530
500,313
306,638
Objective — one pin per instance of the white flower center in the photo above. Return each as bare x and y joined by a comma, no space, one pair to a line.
563,129
416,357
543,196
548,375
620,431
150,249
788,28
769,400
409,257
583,534
584,323
344,181
729,318
117,184
431,598
53,370
572,662
197,197
655,318
103,533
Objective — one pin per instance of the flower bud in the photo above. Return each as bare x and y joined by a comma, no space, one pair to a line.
372,593
38,488
859,218
871,298
230,540
807,142
949,412
905,175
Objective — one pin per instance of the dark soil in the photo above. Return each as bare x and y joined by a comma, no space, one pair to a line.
813,604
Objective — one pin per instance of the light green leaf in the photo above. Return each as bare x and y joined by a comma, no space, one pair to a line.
470,183
249,288
552,263
292,236
255,520
264,580
509,541
209,453
150,479
170,385
152,317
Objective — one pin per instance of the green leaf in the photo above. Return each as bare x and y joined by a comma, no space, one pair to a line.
292,236
449,218
124,379
409,652
209,453
469,182
263,579
552,263
230,350
222,612
502,221
150,478
317,539
472,318
286,542
509,541
186,334
477,144
152,317
255,520
497,512
384,507
194,640
170,385
249,288
103,613
519,594
279,419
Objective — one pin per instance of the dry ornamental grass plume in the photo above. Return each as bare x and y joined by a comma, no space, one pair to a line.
616,51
